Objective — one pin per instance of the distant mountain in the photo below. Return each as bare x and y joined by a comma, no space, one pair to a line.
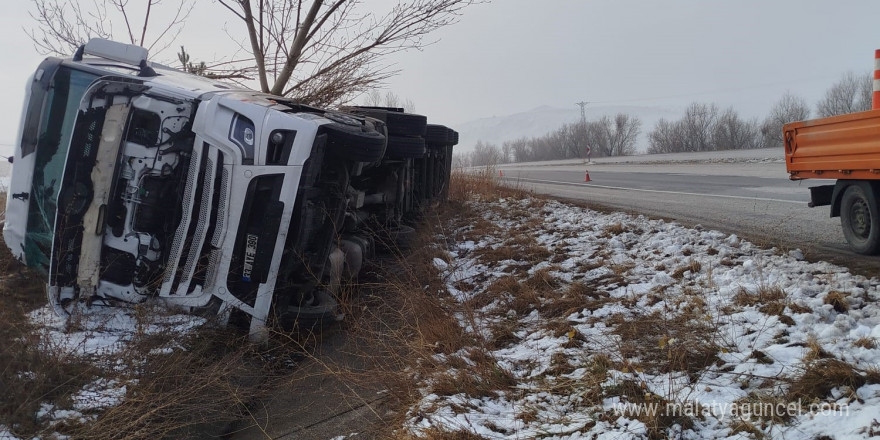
544,119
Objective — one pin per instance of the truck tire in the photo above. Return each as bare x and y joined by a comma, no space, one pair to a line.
398,122
354,139
404,147
323,311
437,135
860,218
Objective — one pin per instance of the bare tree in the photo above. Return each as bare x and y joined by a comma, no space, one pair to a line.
623,134
866,92
324,52
520,150
666,137
731,132
606,137
375,98
789,108
63,26
485,154
506,152
852,93
696,125
702,128
597,136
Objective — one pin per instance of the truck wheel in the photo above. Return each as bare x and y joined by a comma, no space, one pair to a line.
437,135
401,147
860,218
322,310
353,139
398,122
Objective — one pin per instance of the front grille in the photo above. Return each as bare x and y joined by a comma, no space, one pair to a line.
189,257
223,194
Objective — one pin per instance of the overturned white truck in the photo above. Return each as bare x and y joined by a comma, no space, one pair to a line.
134,181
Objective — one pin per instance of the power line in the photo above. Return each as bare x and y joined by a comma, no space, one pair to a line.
709,92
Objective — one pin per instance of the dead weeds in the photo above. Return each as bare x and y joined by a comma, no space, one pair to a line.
762,295
666,343
821,376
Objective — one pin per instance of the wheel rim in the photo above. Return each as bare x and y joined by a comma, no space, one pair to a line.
861,219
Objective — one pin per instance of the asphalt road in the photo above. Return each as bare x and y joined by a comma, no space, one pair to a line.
753,200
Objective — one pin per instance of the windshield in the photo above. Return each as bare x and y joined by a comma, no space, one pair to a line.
56,125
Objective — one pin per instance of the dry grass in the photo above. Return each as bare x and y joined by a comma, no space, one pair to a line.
692,267
482,377
402,320
837,300
744,427
821,376
190,392
541,291
657,422
482,185
614,229
577,296
440,434
866,342
203,382
520,247
32,370
815,350
665,343
777,308
797,308
762,295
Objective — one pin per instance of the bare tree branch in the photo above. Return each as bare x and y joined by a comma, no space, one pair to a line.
296,48
316,51
62,26
305,42
849,95
256,42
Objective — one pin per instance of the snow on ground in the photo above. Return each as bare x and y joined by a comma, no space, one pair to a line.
103,335
616,326
99,331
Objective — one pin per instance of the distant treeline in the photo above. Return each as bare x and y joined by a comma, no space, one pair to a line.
703,127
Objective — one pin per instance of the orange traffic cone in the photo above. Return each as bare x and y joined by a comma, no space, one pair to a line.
500,173
587,176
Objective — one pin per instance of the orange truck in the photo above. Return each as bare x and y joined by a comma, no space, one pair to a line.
845,148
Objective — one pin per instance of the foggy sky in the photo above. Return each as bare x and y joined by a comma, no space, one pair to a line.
510,56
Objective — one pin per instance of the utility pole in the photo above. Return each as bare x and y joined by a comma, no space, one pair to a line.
583,106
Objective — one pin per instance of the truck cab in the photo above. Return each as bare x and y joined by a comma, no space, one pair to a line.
134,181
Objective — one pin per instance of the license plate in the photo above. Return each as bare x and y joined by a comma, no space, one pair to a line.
250,253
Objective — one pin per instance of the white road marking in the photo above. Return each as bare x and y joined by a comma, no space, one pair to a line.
657,191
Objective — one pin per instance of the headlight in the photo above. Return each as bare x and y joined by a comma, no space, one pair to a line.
242,133
280,144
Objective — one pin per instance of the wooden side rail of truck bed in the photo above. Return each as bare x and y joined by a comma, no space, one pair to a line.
838,147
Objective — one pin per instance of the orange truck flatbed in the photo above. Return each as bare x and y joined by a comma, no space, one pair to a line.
837,147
